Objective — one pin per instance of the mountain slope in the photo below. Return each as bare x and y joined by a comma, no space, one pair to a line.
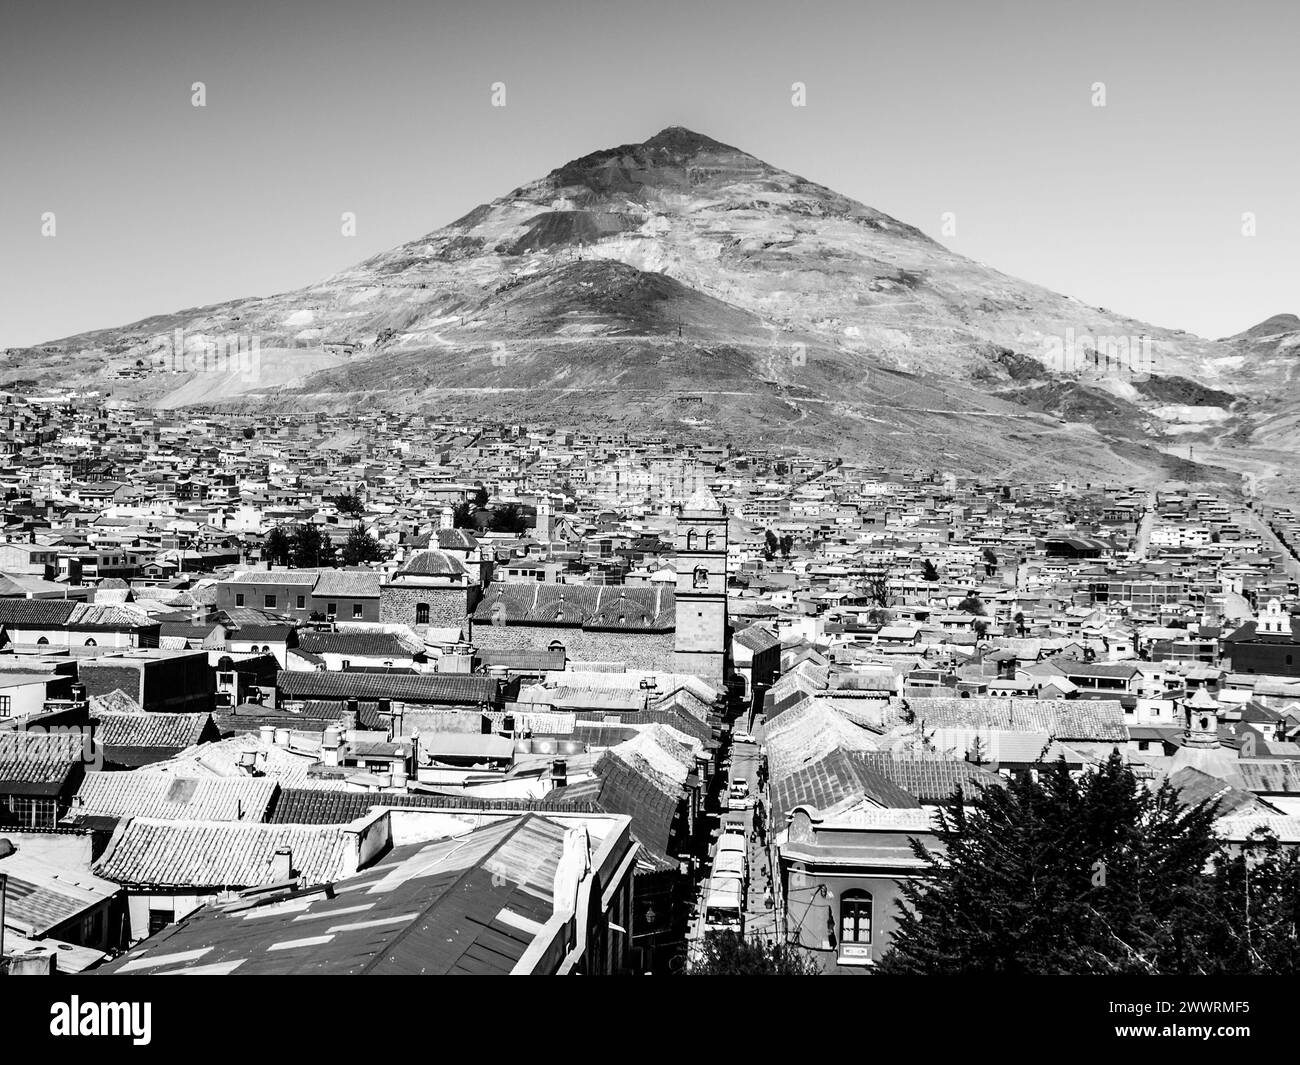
681,281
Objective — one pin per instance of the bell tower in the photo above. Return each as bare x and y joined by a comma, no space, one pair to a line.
700,646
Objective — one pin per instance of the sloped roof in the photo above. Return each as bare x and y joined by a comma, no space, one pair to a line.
631,607
829,780
34,763
469,905
173,797
129,738
150,852
1079,720
932,779
456,688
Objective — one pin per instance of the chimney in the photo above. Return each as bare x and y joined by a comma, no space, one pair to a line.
559,773
282,737
267,734
282,865
447,519
399,774
331,741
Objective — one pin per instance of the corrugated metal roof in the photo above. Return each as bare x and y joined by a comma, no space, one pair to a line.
470,905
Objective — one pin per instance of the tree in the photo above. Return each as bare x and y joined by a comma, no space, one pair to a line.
277,547
972,604
462,516
1058,875
877,590
480,499
979,627
990,561
928,571
1019,619
309,547
771,545
786,543
347,503
728,953
361,547
1258,903
508,519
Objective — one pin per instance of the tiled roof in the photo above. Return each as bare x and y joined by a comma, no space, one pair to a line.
307,806
53,613
149,852
368,644
618,788
455,688
305,577
172,732
592,606
931,780
33,763
432,563
348,584
1078,720
173,797
1194,786
1270,776
831,779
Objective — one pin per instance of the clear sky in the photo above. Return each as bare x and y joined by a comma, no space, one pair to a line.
383,108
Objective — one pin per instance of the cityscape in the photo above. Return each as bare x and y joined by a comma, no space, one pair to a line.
672,566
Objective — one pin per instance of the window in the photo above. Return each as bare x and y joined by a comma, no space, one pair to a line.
332,609
269,601
42,642
356,610
422,613
855,924
90,642
239,599
302,601
160,919
6,705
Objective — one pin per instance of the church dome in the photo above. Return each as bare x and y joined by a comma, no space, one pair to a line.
432,563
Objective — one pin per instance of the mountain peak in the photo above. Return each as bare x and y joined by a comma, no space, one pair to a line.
686,141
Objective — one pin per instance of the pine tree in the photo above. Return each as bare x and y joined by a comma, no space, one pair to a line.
361,547
1057,876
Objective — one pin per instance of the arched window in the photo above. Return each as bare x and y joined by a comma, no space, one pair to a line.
855,921
690,539
700,578
555,647
708,540
90,642
422,613
42,642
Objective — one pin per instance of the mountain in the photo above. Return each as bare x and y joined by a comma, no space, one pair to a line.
682,283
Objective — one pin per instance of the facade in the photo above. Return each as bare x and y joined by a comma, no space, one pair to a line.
1269,644
701,643
841,877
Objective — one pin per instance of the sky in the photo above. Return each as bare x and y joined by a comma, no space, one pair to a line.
982,110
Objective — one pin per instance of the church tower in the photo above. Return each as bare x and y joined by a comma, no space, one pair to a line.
701,643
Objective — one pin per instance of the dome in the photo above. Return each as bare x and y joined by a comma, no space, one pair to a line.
432,563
